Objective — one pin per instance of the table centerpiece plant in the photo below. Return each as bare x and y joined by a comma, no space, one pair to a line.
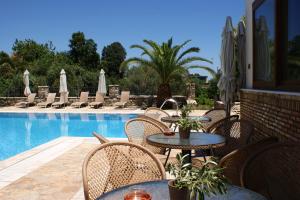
186,124
193,183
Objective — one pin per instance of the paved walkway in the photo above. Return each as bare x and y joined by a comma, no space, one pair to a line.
59,179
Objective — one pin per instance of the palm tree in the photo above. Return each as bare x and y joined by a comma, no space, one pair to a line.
167,60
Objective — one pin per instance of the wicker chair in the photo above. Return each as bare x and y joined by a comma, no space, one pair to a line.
101,138
157,113
215,115
115,164
233,162
228,119
237,134
159,123
137,131
274,171
235,109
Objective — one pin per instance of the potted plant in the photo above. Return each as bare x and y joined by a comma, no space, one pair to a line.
186,124
185,111
191,182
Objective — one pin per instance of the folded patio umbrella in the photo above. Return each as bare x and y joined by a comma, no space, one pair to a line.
27,91
227,82
241,54
63,89
102,83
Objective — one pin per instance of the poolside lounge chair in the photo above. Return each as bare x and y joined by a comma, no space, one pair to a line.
98,101
83,100
29,102
124,99
63,100
50,100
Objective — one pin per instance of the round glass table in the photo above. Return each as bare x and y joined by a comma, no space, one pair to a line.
197,141
175,119
159,191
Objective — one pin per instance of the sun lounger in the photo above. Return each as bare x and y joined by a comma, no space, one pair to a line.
124,99
63,100
29,102
83,101
50,100
98,101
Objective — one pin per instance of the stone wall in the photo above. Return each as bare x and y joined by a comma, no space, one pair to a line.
272,113
134,100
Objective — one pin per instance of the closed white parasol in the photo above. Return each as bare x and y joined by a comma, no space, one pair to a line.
102,83
27,91
227,82
63,88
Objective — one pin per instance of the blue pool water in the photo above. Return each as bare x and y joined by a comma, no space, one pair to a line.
23,131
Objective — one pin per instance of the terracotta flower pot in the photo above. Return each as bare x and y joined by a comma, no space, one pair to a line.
178,194
184,133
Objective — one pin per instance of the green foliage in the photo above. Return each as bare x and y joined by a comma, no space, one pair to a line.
189,124
167,60
84,51
207,180
185,111
203,98
82,65
213,90
29,50
140,80
112,57
4,58
185,122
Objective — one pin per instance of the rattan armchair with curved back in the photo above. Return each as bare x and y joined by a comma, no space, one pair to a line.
235,109
233,162
274,171
157,113
137,131
237,133
159,123
115,164
215,115
222,121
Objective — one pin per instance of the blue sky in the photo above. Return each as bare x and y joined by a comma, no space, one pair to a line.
128,22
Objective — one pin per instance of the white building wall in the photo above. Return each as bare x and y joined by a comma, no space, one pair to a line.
249,44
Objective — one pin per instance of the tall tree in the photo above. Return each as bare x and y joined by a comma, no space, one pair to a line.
167,60
84,51
112,57
4,58
28,50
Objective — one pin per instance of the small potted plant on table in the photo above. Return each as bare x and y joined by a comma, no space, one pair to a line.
186,124
191,182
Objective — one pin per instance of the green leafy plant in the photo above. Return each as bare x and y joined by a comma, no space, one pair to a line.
189,124
207,180
185,111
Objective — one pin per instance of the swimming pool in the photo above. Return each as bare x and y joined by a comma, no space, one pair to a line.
23,131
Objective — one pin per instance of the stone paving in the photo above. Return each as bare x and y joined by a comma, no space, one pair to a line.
58,179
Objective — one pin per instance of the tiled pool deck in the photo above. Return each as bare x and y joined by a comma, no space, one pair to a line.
52,170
